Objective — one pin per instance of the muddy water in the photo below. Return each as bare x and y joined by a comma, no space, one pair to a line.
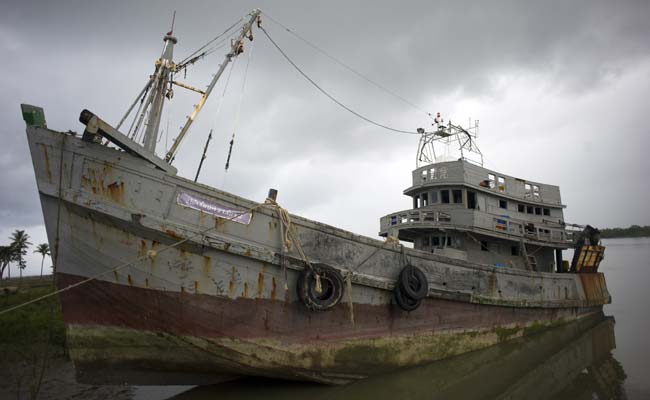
599,359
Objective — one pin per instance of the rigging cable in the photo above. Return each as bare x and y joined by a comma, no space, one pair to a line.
241,100
354,71
329,95
210,42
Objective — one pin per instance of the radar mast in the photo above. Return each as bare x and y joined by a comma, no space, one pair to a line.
438,144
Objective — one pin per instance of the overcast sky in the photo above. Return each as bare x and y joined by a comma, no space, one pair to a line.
562,90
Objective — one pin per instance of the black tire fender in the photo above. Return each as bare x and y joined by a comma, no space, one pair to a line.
405,302
331,287
413,282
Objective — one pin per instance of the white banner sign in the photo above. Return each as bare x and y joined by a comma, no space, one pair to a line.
209,207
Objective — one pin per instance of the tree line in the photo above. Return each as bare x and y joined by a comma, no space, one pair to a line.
632,231
15,252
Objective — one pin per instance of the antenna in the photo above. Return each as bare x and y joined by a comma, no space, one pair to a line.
435,146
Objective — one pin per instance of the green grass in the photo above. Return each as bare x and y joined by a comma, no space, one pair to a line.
30,336
34,324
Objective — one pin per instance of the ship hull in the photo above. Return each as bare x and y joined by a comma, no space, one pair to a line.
170,291
161,337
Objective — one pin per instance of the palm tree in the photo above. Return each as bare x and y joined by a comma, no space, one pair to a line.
6,256
19,243
44,250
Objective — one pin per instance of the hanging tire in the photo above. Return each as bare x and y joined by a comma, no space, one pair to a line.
405,302
331,288
413,283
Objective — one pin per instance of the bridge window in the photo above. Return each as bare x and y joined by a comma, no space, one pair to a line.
521,208
502,184
444,196
425,199
434,197
471,200
435,241
547,211
530,210
514,250
503,204
536,191
457,195
424,175
528,189
491,179
484,245
538,211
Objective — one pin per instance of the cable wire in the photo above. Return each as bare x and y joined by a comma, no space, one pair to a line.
211,41
241,100
354,71
329,95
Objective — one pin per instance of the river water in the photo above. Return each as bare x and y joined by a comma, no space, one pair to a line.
595,359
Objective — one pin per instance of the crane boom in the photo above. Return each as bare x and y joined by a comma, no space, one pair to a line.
235,49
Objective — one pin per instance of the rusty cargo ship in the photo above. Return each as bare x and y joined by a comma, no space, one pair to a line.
168,281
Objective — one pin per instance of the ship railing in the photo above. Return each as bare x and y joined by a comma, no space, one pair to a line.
415,217
500,223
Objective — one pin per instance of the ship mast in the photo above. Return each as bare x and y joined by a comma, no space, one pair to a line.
236,48
161,89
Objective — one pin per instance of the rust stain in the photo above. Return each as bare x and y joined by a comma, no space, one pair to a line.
173,234
219,223
231,284
94,179
116,191
182,289
260,285
47,164
142,251
245,294
196,286
128,277
247,253
273,288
